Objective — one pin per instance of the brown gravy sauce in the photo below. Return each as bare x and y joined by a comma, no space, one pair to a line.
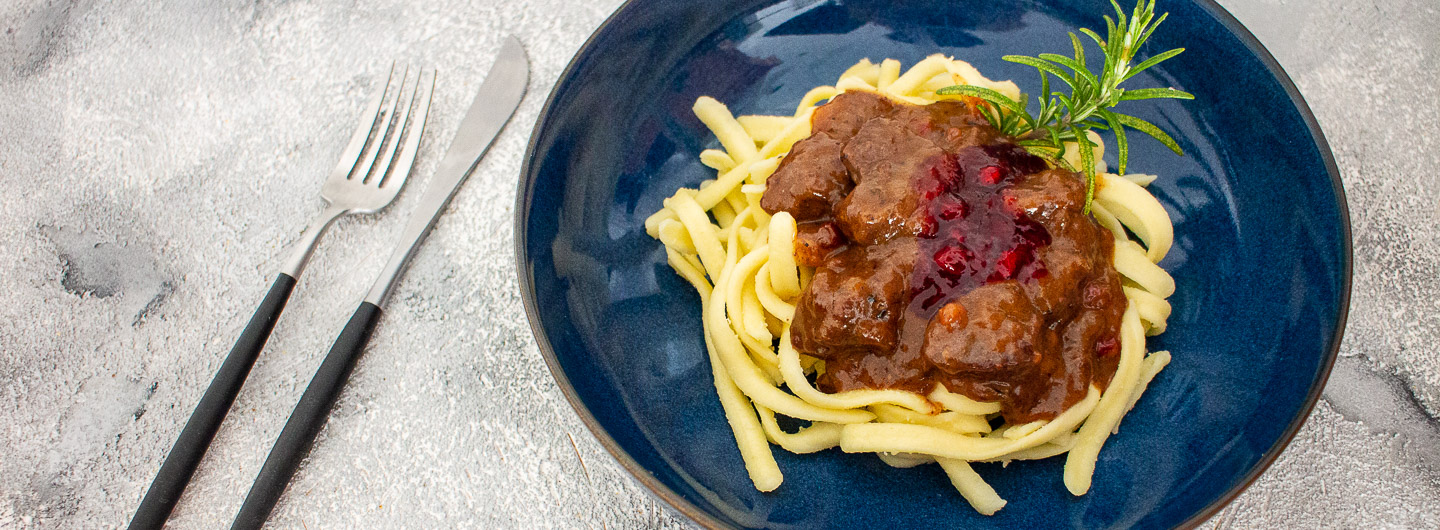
945,254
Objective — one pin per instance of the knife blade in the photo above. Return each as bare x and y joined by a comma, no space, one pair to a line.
492,107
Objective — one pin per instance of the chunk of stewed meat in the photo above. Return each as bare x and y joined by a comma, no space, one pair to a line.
815,241
990,331
1080,250
845,114
950,125
855,300
809,181
888,164
1040,192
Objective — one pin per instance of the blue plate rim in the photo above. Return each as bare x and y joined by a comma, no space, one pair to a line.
526,189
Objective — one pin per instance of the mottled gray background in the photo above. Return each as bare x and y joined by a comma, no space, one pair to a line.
157,157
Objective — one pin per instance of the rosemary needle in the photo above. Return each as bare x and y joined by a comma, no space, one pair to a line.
1064,118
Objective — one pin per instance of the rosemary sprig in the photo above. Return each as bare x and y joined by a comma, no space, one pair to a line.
1064,118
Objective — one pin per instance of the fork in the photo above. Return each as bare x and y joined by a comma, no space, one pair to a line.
368,177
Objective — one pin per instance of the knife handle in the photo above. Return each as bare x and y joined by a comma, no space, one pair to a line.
307,419
195,438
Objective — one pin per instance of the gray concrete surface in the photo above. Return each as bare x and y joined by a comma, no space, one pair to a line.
157,157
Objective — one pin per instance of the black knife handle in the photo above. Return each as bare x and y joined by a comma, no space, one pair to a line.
195,438
307,419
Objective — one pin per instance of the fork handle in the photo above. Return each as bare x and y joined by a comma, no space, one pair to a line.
195,438
307,418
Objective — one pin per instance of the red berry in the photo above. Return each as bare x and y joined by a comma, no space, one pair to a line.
951,260
991,175
1010,202
1031,233
932,187
928,227
1107,347
1010,263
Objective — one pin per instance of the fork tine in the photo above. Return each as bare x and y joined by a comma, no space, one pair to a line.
383,164
367,161
402,165
362,131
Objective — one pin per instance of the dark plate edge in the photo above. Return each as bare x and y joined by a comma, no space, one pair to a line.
527,289
523,194
1253,44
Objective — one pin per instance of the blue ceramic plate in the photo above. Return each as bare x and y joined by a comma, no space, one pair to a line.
1261,256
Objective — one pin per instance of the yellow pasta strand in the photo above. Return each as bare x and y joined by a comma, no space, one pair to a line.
773,304
1056,446
1152,309
903,438
951,421
794,376
961,404
1140,178
847,84
1080,461
864,70
724,215
971,76
1132,263
921,72
1015,432
1108,220
710,196
1138,210
817,437
749,434
762,169
814,97
1149,368
784,275
889,72
674,236
763,128
732,136
755,318
702,233
982,497
717,160
796,131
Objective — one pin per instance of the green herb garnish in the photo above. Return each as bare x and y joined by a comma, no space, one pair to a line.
1065,117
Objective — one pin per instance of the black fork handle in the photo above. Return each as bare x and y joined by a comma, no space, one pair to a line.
307,419
195,438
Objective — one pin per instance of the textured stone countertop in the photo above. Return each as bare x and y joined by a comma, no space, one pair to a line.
157,157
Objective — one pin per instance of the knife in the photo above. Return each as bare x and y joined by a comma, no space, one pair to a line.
494,103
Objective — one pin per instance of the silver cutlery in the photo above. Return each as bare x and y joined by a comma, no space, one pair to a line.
492,107
372,169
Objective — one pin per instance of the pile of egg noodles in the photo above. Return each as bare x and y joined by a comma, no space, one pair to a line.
741,261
